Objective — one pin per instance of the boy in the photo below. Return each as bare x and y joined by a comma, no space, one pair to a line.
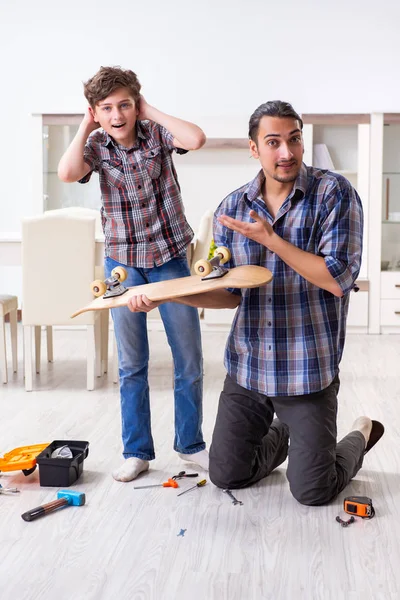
147,233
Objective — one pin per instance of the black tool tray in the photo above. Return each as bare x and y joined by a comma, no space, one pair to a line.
62,472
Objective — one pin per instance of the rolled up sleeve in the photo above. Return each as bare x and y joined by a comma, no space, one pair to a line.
91,158
342,234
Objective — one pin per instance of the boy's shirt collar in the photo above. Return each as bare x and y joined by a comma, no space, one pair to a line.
139,134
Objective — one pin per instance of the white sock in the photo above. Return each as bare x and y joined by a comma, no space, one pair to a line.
199,458
130,469
364,425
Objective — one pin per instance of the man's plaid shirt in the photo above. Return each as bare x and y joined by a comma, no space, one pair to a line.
287,337
142,213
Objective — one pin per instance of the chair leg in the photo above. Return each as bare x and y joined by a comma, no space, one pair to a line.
49,332
115,361
28,357
38,340
14,339
98,350
105,316
91,349
3,352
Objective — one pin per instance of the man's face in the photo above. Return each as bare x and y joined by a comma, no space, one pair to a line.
279,148
117,115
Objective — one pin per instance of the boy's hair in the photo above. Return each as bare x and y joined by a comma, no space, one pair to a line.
109,79
273,108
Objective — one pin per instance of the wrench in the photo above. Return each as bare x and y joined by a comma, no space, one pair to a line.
234,500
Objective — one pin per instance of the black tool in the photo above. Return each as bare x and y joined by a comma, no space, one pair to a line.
182,474
345,523
234,500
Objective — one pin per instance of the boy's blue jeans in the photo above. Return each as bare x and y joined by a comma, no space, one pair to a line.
182,327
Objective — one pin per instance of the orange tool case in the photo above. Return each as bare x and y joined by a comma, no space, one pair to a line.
22,459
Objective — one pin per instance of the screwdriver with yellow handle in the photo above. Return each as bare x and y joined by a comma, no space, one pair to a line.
199,484
170,483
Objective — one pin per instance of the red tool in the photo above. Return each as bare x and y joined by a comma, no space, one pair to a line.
170,483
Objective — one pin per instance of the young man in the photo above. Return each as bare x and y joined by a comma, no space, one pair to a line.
146,232
286,343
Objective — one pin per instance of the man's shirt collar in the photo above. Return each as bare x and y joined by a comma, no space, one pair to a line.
254,189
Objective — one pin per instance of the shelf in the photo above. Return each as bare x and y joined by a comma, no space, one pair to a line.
226,143
390,222
336,119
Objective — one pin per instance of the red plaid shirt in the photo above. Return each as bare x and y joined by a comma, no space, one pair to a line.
142,212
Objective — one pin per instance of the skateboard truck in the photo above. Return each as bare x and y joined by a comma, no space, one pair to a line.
112,286
213,269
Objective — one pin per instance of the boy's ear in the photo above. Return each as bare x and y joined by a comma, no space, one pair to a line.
93,113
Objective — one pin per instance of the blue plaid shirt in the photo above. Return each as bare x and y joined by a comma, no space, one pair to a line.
287,337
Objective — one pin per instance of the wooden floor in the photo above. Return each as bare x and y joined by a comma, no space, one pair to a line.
124,544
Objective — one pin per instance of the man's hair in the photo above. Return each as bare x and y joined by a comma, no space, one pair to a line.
109,79
273,108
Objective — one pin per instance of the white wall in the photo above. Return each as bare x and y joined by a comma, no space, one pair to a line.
210,61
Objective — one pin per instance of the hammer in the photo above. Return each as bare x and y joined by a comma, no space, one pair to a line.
65,498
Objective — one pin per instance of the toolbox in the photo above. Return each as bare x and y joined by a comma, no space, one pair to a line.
61,472
22,458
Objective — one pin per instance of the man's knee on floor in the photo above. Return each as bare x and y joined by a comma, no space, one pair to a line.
223,477
311,496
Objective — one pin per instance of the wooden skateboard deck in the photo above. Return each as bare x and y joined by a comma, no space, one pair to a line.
246,276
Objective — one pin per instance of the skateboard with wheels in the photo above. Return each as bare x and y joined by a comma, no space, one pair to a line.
210,275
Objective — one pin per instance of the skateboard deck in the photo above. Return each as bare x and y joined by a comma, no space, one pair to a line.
246,276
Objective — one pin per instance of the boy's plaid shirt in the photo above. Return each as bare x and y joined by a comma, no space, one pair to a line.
142,212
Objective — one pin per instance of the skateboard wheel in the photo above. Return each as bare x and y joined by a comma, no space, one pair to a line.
98,288
120,273
223,253
202,267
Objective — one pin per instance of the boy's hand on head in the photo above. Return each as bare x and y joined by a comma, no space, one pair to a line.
143,109
88,120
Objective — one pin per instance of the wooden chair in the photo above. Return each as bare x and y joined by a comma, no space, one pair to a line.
58,264
8,306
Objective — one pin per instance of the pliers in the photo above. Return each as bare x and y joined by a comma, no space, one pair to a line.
183,474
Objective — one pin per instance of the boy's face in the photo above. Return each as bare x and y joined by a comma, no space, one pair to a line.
117,115
279,148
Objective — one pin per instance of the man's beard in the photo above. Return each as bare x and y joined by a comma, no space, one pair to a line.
287,179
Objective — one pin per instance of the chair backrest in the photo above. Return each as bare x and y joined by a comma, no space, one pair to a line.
58,266
203,238
78,211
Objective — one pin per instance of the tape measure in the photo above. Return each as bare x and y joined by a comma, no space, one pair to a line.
359,506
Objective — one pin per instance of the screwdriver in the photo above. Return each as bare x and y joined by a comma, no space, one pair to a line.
4,490
199,484
169,483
